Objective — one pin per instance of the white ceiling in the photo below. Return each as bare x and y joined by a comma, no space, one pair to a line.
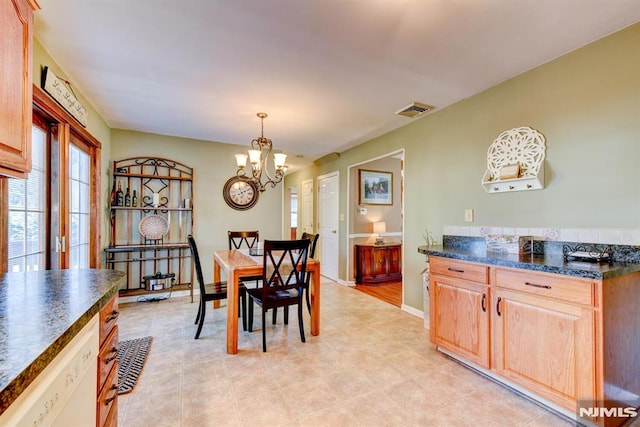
330,73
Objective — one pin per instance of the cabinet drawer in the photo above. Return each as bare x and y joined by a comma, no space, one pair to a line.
112,418
460,269
109,396
108,318
107,357
565,288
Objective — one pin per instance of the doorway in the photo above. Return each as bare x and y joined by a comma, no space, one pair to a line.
370,221
328,216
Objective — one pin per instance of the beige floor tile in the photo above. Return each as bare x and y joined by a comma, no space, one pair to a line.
372,365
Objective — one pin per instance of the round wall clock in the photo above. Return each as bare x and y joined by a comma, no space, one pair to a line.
240,193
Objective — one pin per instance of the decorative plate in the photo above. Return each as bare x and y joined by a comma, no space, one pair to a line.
153,227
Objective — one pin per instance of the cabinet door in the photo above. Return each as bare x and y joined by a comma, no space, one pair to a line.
545,345
380,265
394,259
460,317
16,18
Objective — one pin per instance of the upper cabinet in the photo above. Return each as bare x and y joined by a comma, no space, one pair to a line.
16,42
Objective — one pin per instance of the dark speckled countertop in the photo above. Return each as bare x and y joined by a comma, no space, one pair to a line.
549,263
40,312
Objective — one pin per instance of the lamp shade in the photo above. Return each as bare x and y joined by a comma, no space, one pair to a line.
241,160
254,156
379,227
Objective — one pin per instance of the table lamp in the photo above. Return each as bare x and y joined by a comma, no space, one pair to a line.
379,228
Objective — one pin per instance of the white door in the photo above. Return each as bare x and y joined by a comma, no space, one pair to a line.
328,224
307,207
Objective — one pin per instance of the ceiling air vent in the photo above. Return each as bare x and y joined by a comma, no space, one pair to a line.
414,109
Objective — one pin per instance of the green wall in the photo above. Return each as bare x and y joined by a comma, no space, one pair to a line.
213,164
586,103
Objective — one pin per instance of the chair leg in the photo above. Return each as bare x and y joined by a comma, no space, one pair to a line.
264,331
198,315
300,320
306,292
242,302
250,320
202,310
275,315
286,314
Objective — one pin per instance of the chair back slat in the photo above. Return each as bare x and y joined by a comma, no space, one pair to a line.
243,239
284,266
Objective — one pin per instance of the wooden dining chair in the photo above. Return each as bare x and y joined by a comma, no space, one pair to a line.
283,278
242,240
212,291
313,238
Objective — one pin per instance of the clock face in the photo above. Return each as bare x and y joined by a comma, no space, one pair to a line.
240,193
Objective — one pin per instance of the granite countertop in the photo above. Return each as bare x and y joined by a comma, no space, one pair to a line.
549,263
40,312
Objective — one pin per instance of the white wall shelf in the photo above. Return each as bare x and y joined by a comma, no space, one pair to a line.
515,184
517,156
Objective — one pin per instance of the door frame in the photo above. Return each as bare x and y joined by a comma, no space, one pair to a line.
352,203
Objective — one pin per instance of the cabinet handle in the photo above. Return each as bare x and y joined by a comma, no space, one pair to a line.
114,351
498,306
455,270
114,315
535,285
484,301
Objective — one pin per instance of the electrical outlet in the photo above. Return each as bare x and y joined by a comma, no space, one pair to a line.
468,215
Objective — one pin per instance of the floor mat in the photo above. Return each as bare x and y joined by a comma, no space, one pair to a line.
131,357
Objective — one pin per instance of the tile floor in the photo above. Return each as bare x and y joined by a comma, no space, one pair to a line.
372,365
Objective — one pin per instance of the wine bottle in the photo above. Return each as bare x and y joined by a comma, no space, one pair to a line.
134,199
127,198
113,194
119,196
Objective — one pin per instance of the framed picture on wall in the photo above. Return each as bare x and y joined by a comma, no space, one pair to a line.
376,187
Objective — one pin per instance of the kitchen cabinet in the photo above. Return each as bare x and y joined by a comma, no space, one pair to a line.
16,45
378,263
543,334
459,314
566,340
151,214
107,398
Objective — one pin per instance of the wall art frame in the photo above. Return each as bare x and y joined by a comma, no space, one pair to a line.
375,187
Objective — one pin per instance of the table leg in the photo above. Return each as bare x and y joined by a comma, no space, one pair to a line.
314,288
216,279
232,312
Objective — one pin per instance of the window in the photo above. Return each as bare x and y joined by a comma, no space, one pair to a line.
28,211
51,220
79,207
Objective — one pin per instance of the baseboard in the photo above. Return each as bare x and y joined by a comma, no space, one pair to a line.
412,310
345,282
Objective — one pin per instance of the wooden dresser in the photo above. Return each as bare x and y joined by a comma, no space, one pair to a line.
107,401
378,263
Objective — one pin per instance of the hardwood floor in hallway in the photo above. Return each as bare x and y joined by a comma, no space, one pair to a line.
391,292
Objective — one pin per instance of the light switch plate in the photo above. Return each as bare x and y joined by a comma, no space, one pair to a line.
468,215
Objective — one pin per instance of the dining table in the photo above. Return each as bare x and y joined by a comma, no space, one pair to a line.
238,263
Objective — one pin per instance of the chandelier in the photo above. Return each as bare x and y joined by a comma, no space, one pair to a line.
258,156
